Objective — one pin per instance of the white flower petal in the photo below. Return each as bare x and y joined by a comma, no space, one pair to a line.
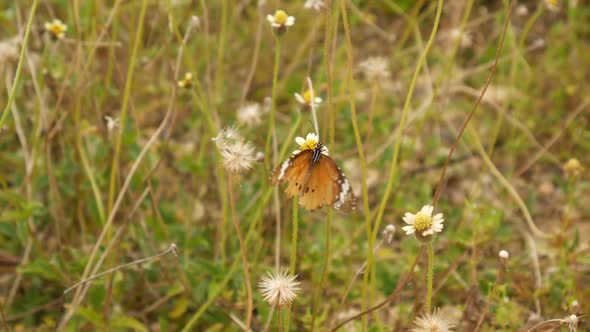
312,137
428,232
317,100
270,18
427,209
409,218
276,25
290,21
409,229
300,140
299,98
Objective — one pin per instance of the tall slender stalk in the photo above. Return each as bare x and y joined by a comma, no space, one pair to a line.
232,204
19,66
361,153
293,261
430,273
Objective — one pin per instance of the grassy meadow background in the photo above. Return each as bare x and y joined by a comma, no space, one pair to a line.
107,158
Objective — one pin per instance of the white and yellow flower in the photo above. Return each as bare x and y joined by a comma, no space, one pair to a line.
308,98
186,82
310,142
280,20
423,223
56,28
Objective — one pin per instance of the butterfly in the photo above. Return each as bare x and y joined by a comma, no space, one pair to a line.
315,177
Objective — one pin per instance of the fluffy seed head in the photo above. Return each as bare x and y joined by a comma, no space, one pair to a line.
432,322
237,155
279,289
375,69
503,254
250,114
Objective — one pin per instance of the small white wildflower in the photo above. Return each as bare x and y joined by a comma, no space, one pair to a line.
572,323
309,142
422,223
504,254
464,38
308,98
237,156
280,21
279,289
195,22
9,50
375,69
112,122
250,114
522,10
314,4
573,168
187,81
552,5
388,233
432,322
56,28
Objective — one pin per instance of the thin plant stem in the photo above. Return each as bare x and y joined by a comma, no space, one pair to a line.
361,153
391,297
325,269
328,66
492,294
511,190
232,204
3,315
400,128
19,66
293,261
429,274
407,276
171,249
219,73
312,106
439,185
125,104
279,325
273,102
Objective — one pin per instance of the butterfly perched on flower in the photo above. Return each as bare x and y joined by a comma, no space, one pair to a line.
315,177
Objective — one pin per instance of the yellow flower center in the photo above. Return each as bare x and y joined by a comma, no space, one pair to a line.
307,96
422,222
280,17
309,145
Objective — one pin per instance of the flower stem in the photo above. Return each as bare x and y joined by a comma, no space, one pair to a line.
293,251
429,277
232,204
273,102
19,66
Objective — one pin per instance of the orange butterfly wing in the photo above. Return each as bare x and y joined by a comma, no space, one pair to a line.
327,185
295,171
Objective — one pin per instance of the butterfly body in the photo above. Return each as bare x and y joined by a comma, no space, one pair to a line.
316,179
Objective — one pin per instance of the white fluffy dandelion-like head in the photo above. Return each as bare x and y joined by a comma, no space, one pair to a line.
432,322
279,289
250,114
237,155
423,223
314,4
375,69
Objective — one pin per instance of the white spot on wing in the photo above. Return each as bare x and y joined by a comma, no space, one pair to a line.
284,167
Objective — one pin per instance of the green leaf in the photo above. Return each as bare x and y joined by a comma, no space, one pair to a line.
92,316
128,322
